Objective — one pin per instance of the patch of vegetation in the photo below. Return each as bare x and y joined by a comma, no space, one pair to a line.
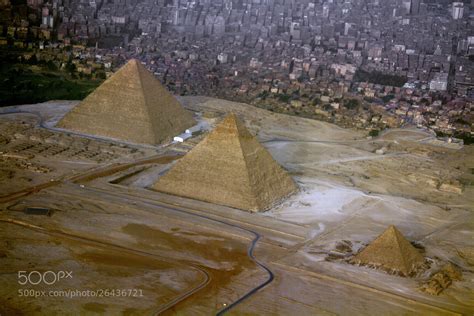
327,107
379,78
317,101
351,104
284,97
424,101
374,132
467,138
19,84
462,121
387,98
263,95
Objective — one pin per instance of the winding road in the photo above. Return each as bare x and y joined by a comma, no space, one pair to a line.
107,245
108,170
250,250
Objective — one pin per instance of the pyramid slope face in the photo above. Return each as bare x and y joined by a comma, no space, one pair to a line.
132,105
392,251
229,167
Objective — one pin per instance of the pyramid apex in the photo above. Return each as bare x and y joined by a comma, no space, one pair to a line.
393,231
231,124
232,117
392,228
133,61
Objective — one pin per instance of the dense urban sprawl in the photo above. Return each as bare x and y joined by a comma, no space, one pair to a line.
366,63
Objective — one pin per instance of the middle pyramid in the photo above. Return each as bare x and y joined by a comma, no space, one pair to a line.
229,167
131,105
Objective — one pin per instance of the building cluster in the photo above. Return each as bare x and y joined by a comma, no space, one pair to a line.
385,53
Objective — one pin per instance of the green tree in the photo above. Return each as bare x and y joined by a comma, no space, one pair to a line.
387,98
51,65
284,97
316,101
351,104
374,132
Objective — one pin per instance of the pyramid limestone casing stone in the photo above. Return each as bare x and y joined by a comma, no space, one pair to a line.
229,167
131,105
391,251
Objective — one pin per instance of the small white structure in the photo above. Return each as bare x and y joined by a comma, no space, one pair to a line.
181,138
202,125
222,58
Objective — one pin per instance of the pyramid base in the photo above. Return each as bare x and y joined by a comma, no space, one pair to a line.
250,210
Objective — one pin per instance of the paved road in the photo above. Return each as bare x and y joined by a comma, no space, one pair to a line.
42,124
110,246
89,175
250,249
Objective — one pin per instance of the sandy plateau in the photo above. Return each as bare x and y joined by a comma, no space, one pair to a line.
179,256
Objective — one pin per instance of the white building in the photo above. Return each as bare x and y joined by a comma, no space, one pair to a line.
119,19
406,5
222,58
457,10
48,21
254,63
439,82
295,30
181,138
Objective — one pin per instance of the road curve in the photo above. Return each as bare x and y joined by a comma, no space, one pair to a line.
250,250
206,277
43,125
260,286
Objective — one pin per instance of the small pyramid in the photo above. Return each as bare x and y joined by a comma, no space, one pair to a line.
131,105
229,167
391,251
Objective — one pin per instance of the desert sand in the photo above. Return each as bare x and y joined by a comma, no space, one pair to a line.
113,231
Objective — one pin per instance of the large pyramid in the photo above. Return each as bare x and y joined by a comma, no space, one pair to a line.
392,252
229,167
131,105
